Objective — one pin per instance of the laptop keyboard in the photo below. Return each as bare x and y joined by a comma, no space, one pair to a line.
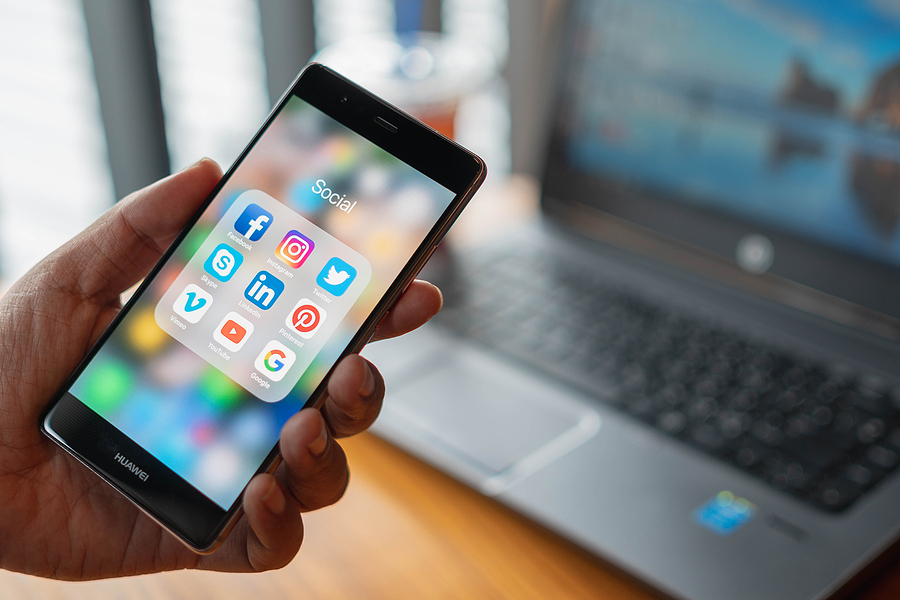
823,434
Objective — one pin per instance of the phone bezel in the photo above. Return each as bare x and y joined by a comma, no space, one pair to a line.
186,512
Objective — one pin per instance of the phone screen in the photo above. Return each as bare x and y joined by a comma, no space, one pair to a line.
249,314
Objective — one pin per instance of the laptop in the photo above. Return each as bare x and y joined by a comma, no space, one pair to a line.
691,365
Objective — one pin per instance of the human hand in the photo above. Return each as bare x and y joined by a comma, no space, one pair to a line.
58,519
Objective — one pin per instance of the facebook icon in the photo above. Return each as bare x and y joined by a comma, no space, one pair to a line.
253,222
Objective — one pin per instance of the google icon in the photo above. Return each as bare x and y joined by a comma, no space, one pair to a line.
271,361
274,361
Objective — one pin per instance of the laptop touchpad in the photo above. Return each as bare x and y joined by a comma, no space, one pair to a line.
487,421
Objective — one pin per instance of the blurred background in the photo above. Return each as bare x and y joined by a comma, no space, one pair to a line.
100,98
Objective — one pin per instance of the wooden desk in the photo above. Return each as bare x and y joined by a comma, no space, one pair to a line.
404,531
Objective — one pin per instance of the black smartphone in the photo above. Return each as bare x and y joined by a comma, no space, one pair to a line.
310,237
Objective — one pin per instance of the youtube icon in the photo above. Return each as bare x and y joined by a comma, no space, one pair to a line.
233,331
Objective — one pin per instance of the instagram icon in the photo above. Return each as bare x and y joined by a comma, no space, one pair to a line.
294,248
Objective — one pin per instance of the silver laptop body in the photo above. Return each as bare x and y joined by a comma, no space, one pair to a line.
672,495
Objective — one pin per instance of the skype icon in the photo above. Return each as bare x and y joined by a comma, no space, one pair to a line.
223,262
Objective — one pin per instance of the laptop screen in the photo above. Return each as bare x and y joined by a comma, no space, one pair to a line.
728,122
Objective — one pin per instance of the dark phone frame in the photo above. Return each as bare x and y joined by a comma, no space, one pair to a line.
162,494
835,280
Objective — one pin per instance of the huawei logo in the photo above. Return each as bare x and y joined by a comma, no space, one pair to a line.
142,475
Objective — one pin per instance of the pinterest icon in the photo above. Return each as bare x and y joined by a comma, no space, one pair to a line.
306,318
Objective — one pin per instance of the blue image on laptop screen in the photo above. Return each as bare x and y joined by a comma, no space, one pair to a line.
784,112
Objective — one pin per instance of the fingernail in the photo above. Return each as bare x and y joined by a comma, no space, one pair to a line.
191,166
440,295
368,385
274,499
318,445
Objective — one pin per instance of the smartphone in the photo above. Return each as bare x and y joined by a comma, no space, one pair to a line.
310,237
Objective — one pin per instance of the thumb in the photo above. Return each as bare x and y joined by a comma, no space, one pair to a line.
125,242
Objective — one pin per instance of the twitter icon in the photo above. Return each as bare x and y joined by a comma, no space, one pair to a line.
336,277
